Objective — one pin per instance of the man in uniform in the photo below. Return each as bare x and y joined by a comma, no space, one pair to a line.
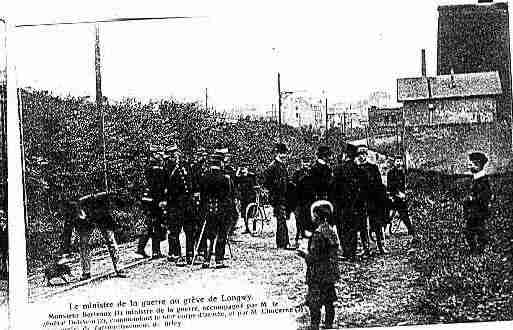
230,171
276,179
476,206
215,196
179,205
350,203
198,169
94,211
375,193
154,203
245,182
396,187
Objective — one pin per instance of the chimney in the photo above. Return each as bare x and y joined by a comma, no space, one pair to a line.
423,65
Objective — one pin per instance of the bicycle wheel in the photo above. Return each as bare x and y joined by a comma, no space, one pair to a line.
253,217
395,224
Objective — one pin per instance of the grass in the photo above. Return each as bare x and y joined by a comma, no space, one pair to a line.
460,287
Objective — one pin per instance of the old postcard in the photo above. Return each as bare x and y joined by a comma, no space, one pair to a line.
294,165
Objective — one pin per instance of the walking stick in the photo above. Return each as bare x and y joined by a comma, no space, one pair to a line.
199,241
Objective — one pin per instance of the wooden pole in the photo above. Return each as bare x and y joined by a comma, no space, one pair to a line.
206,99
279,108
326,135
99,103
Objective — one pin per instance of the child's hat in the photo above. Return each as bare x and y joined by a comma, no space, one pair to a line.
322,208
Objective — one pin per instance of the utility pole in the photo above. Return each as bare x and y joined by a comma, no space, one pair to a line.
99,102
326,100
279,108
206,99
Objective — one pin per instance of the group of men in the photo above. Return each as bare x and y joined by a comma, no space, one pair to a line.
197,196
354,186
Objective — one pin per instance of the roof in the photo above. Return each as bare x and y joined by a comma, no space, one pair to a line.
447,86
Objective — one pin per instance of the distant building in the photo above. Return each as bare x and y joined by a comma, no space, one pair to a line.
450,99
300,110
385,121
448,116
475,38
344,116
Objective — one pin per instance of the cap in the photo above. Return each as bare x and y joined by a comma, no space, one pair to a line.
172,149
280,148
323,150
323,208
351,150
478,157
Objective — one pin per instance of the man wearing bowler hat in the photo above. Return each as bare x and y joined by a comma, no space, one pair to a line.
321,176
276,180
375,193
348,195
476,205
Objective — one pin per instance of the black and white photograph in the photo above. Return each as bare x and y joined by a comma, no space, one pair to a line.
285,164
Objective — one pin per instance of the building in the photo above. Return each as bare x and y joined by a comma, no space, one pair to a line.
344,116
475,38
448,116
301,110
385,122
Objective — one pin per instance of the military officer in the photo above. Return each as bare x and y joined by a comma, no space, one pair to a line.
179,205
198,169
215,197
154,202
229,171
476,205
245,182
93,211
276,180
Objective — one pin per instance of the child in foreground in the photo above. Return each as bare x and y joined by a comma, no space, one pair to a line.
321,266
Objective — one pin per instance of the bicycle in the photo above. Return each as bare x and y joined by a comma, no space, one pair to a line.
255,213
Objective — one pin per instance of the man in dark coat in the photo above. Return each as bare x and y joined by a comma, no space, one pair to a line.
154,202
90,212
303,197
396,187
245,182
276,180
476,206
321,177
375,193
198,169
179,208
215,192
347,191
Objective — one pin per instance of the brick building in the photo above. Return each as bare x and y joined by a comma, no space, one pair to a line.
475,38
448,116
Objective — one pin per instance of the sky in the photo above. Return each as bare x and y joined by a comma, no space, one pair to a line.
234,48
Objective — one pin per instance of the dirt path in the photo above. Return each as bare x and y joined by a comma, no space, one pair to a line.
377,292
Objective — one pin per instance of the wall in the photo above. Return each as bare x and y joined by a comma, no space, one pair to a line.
475,38
442,138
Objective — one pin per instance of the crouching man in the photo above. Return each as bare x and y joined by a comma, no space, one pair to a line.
90,212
